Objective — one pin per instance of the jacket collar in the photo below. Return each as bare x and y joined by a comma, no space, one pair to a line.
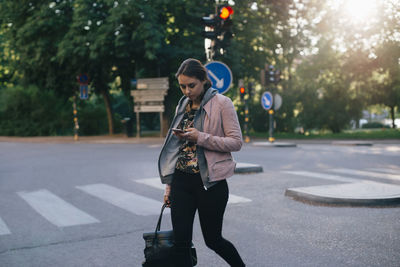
210,93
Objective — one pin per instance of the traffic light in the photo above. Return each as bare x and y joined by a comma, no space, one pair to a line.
211,27
242,93
226,34
242,90
218,28
272,75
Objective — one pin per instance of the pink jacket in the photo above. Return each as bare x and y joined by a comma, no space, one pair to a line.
221,135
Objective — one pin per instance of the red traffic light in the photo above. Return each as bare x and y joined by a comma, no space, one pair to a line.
242,91
225,12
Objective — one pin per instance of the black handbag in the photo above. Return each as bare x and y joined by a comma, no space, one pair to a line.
159,250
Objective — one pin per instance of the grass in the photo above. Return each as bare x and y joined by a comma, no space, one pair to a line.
359,134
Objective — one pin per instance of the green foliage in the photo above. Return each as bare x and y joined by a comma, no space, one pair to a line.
332,67
372,125
31,111
92,117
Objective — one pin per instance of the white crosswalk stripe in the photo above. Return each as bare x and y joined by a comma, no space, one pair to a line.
129,201
3,228
56,210
385,170
324,176
156,183
389,176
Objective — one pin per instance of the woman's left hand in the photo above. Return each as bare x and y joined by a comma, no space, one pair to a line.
191,134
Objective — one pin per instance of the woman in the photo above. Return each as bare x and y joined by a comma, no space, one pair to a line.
195,161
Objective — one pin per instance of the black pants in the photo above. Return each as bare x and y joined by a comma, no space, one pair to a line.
189,195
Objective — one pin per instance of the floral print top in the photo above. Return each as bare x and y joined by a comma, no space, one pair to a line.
187,157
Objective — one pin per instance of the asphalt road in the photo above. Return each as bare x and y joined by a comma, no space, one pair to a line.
89,204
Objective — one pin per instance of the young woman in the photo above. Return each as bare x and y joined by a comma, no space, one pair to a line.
196,160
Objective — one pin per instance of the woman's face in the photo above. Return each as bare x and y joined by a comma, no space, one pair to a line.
191,87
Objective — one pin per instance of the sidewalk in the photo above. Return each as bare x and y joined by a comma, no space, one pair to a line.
103,139
122,139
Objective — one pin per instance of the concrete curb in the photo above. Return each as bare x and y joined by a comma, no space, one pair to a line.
247,168
351,143
349,194
274,144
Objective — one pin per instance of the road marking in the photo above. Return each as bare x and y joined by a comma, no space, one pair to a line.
156,183
153,182
219,82
323,176
369,174
129,201
234,199
386,170
56,210
3,228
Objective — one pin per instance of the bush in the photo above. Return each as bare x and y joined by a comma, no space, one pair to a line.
374,125
33,112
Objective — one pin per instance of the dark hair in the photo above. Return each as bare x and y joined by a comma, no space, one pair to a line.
193,68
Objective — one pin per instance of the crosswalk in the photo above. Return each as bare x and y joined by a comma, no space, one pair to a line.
3,228
129,201
375,173
378,175
155,182
61,213
56,210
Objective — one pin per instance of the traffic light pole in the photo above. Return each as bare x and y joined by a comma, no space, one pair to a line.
271,113
246,121
271,138
76,125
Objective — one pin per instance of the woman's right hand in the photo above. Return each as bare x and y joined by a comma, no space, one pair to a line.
167,202
166,195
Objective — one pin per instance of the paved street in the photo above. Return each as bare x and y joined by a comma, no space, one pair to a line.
88,204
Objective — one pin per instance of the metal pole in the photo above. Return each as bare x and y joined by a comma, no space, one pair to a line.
161,125
137,125
271,126
246,121
76,125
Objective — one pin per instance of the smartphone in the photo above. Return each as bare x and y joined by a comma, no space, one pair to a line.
178,130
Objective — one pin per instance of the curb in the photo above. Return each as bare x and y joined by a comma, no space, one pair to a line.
247,168
349,194
274,144
351,143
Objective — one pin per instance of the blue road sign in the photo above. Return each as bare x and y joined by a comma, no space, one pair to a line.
220,76
84,91
266,100
83,78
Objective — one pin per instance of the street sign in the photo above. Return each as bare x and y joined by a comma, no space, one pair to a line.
153,83
266,100
83,78
149,97
84,89
277,101
220,76
149,108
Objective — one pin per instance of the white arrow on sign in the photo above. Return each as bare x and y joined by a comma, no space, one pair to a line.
266,100
220,83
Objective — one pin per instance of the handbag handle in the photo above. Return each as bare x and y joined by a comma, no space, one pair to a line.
158,227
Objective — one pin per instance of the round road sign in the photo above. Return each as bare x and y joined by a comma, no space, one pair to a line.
266,100
220,76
